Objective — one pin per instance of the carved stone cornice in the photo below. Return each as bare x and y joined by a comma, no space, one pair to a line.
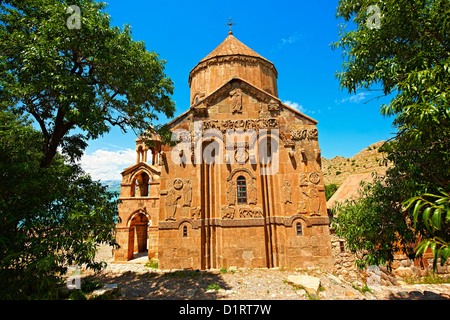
232,58
282,221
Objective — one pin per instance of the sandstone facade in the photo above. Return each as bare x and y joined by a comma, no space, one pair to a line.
215,201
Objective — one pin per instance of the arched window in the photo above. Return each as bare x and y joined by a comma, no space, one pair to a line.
299,228
241,190
140,185
185,232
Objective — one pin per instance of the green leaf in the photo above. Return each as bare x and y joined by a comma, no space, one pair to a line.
436,218
426,217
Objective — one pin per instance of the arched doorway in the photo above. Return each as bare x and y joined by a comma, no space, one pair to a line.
138,235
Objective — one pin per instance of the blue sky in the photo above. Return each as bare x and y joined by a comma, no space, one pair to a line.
294,35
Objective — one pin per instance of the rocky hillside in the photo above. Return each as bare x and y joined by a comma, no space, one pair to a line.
337,169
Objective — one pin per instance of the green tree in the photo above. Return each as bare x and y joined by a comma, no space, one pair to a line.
90,79
406,55
330,189
435,215
50,217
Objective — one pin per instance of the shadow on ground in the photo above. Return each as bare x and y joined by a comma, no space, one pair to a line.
177,285
417,295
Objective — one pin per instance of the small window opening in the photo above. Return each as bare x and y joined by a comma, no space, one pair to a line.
185,232
299,228
241,190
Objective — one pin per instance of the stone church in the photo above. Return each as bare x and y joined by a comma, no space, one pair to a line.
246,208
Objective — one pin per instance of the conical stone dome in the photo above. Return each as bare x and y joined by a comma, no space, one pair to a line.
231,59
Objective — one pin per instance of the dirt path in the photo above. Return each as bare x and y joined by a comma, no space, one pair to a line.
136,282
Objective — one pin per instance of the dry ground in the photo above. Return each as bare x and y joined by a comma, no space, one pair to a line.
136,281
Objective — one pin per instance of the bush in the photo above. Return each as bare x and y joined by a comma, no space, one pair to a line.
330,189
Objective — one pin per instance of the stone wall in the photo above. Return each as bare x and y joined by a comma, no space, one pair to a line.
402,267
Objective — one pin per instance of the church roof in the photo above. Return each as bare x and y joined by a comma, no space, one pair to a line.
349,190
232,47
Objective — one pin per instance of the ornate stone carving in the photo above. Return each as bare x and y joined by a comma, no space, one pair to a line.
313,134
248,212
301,207
211,124
287,143
302,181
231,193
171,203
252,192
178,183
196,212
187,193
273,105
241,124
251,124
236,101
272,123
227,212
302,134
240,170
298,134
313,197
241,155
227,124
287,191
314,177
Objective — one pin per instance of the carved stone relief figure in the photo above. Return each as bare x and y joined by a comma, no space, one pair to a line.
314,199
252,192
301,207
273,105
231,193
236,101
196,212
171,203
302,181
227,212
187,193
247,212
287,191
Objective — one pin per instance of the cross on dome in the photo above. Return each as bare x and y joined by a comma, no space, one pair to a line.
230,24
